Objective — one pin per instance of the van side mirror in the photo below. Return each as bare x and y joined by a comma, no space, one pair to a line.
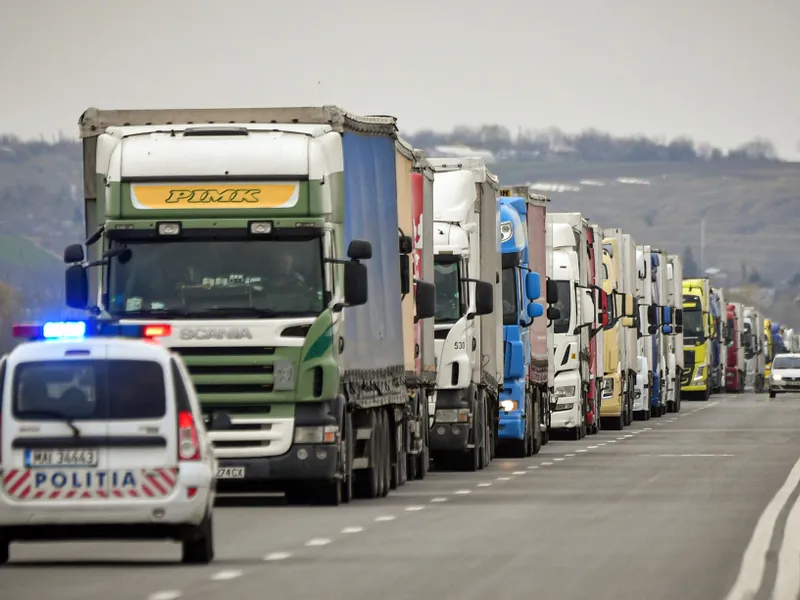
535,310
74,254
76,287
355,283
484,298
425,300
552,292
533,286
359,250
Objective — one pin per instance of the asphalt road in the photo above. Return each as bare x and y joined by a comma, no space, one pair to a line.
662,510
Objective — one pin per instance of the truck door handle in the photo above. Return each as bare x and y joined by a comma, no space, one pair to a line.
474,344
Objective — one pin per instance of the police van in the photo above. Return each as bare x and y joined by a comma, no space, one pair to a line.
101,437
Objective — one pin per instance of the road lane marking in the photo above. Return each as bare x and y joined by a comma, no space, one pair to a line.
751,570
226,575
352,530
787,579
504,479
384,518
438,499
166,595
520,472
414,508
484,484
546,464
534,467
558,459
318,542
461,492
272,556
564,455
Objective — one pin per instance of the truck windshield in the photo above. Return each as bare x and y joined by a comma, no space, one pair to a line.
564,305
692,324
450,306
510,311
216,278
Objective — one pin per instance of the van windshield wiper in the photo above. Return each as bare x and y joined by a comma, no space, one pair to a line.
55,415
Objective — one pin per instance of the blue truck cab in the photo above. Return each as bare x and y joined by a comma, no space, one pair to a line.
520,287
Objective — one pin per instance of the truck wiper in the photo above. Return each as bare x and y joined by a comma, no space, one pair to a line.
154,312
243,310
54,414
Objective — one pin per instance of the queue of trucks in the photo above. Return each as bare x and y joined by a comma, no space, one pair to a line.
352,312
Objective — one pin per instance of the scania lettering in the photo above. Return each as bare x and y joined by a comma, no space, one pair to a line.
215,334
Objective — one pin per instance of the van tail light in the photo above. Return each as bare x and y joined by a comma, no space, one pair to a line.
188,440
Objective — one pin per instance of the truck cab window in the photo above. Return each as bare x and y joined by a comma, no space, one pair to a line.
510,295
565,299
450,301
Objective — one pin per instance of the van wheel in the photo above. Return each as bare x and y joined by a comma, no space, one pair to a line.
200,549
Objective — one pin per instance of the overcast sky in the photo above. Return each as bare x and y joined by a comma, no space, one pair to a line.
722,71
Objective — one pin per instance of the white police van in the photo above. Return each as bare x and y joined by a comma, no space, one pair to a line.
101,437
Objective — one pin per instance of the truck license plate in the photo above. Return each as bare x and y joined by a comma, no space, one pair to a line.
230,473
79,457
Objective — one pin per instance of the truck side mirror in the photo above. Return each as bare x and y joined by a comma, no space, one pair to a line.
535,310
666,329
76,287
74,254
652,315
587,309
533,286
425,300
553,313
355,283
405,274
679,317
484,298
359,250
652,329
603,317
628,322
666,315
552,292
629,310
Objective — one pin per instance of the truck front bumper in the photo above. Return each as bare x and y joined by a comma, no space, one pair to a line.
303,462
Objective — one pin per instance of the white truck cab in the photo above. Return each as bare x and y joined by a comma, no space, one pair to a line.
101,437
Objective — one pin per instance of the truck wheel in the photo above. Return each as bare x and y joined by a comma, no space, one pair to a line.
772,394
367,480
472,457
488,438
536,435
424,457
348,447
5,550
328,494
386,452
200,549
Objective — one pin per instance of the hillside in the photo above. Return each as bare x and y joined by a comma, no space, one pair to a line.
658,191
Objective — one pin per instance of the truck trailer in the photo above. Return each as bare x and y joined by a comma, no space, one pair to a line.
267,242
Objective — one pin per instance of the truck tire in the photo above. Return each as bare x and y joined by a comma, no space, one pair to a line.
5,550
367,481
488,437
424,458
473,461
521,448
536,434
199,550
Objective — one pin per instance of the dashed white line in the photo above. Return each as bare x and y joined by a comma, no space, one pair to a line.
567,455
352,530
546,464
438,499
558,459
612,441
581,450
534,467
484,484
384,518
226,575
601,444
277,556
318,542
166,595
592,447
504,479
628,436
519,472
462,492
414,508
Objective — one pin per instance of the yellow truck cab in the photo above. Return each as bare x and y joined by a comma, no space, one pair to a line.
768,350
697,336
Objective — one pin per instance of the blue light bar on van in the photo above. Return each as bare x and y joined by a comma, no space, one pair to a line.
76,330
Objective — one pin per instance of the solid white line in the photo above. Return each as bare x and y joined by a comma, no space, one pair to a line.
277,556
352,530
751,570
226,575
787,580
318,542
166,595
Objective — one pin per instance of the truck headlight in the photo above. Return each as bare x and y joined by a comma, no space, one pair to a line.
565,391
327,434
700,373
509,405
452,415
608,388
283,372
505,231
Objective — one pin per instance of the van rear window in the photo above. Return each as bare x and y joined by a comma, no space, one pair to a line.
89,390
